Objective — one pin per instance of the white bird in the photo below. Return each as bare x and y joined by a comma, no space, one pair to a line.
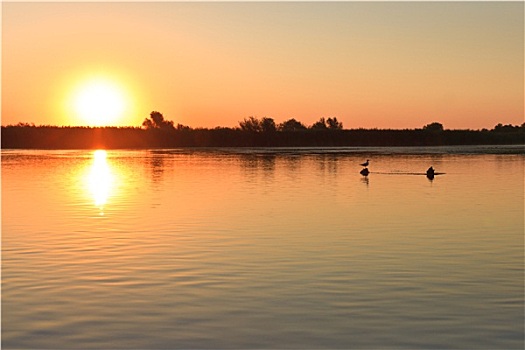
365,164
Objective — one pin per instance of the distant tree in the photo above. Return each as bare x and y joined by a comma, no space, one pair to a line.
148,124
157,118
435,126
291,125
268,125
319,125
250,124
25,125
507,128
334,124
157,121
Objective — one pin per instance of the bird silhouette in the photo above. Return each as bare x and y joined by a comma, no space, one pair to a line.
366,163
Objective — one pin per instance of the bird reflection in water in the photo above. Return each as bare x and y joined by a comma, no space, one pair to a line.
100,179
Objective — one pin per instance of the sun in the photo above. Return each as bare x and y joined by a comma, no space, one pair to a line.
99,102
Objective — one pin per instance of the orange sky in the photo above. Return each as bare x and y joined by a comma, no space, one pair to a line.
370,64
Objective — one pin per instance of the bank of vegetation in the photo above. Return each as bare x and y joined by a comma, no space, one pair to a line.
157,132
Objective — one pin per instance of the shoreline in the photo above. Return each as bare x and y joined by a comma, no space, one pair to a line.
512,149
47,137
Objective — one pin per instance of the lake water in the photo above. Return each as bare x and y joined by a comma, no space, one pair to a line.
263,248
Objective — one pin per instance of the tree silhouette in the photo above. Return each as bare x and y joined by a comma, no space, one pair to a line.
250,124
181,127
508,128
333,123
291,125
435,126
157,121
319,125
268,125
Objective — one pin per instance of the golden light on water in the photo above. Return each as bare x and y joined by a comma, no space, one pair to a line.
101,179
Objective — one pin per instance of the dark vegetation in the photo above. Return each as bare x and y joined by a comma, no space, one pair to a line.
156,132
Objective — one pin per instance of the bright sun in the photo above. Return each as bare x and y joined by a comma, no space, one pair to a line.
99,102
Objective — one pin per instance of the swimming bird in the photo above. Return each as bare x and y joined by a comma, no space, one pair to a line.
366,163
430,173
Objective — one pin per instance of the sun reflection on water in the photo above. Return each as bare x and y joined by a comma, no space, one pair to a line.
100,179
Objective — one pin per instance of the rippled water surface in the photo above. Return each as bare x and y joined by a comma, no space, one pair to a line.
280,248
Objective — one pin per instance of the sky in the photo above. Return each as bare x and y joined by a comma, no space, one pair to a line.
204,64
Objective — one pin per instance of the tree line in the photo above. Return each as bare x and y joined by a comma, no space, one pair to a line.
250,124
157,132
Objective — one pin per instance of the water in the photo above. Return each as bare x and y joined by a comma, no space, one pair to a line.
263,248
